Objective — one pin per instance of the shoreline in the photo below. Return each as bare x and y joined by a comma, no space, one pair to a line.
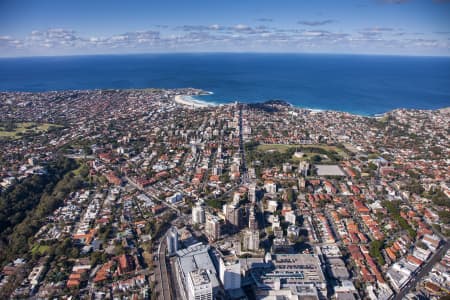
191,102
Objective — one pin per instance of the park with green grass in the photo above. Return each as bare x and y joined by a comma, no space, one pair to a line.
327,152
14,131
273,155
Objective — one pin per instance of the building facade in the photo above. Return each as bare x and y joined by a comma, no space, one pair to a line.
198,214
230,272
199,285
172,241
212,227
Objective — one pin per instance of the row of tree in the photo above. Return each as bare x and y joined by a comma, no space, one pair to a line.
25,206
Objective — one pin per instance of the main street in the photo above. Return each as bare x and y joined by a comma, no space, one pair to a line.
425,270
244,173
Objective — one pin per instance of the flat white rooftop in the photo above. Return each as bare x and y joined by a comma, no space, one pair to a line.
329,170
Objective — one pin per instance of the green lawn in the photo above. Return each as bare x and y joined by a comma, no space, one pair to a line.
306,156
283,148
41,249
327,148
25,127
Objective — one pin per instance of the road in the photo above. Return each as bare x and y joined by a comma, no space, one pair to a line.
244,173
425,270
177,290
166,280
164,283
437,256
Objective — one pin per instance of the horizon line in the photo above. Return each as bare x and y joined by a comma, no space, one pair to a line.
227,52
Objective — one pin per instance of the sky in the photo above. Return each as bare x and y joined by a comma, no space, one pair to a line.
77,27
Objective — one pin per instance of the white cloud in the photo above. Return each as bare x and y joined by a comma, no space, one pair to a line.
241,27
214,27
215,37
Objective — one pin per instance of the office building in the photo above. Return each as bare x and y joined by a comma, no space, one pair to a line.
270,186
212,227
252,193
172,241
199,286
230,272
198,214
233,215
196,273
251,240
287,274
252,222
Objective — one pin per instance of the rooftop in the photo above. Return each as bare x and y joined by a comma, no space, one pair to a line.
199,277
329,170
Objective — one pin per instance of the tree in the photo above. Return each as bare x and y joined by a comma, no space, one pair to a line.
375,251
439,198
9,126
415,187
316,158
444,216
23,209
372,166
290,195
87,150
74,252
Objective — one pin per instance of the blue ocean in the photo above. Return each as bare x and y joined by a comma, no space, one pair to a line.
359,84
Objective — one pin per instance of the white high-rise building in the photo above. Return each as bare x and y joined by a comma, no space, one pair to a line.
230,272
217,170
251,240
303,168
233,214
193,149
236,198
212,227
172,241
290,217
252,193
199,285
252,222
276,222
198,214
270,186
287,167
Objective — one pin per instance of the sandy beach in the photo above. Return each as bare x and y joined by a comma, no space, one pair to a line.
190,101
